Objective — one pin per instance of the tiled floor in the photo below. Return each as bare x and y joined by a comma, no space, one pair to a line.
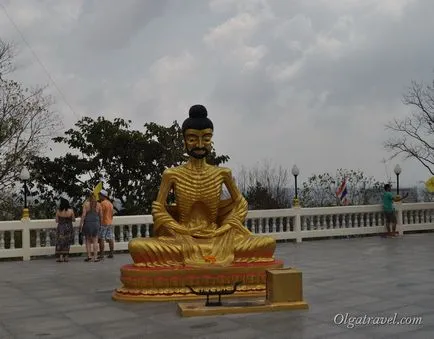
360,277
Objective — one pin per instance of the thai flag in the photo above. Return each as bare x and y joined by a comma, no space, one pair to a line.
342,192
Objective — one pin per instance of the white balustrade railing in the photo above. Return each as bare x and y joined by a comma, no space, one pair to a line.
31,238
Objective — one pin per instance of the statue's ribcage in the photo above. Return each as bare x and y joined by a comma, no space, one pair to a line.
190,189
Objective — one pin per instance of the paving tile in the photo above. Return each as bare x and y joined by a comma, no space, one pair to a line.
358,276
41,326
319,330
20,308
48,293
421,333
4,333
100,315
376,324
60,333
78,307
350,334
353,301
393,331
199,325
382,306
277,322
241,333
138,328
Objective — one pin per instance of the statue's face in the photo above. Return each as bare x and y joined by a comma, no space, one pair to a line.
198,142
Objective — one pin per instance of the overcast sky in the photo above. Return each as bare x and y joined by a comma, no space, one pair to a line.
310,82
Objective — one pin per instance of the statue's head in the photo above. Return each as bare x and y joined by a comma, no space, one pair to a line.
198,130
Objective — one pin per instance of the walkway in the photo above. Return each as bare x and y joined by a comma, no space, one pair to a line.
361,276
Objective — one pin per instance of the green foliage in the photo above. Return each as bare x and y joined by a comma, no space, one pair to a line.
129,162
260,198
265,186
10,209
320,189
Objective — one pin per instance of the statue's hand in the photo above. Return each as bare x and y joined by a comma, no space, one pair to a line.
205,234
222,230
179,229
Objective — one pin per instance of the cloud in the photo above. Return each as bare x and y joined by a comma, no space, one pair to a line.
230,39
108,26
163,89
303,82
169,68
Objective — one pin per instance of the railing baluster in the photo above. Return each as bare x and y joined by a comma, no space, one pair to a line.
334,220
76,233
251,225
38,238
121,233
417,215
44,237
12,242
130,232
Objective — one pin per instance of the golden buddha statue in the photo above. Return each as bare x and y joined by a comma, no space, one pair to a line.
200,229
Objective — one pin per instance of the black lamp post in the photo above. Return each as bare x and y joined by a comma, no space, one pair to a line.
25,176
295,172
397,171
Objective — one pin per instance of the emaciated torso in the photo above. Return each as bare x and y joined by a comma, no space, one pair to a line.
197,194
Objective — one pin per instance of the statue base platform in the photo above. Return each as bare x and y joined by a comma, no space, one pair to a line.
170,284
236,307
284,292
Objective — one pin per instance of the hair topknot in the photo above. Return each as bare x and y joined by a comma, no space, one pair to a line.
197,112
197,119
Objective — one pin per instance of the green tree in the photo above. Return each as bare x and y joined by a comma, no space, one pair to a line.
129,162
260,198
319,190
265,186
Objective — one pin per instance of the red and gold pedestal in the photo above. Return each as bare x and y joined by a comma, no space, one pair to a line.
170,284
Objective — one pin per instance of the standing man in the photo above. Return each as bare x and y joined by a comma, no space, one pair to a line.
106,230
389,209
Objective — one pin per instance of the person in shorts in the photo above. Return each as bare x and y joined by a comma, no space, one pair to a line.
389,209
106,232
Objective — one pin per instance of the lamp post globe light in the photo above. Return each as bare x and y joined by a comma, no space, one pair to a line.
25,176
295,172
397,171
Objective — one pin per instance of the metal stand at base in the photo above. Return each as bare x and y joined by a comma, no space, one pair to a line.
209,293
